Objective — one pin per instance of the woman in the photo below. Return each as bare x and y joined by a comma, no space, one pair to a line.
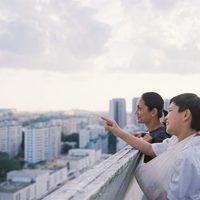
175,172
149,111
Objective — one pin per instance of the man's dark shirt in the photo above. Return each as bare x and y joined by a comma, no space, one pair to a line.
158,135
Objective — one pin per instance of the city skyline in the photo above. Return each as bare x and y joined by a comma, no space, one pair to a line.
80,54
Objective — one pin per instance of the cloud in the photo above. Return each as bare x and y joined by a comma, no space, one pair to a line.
163,4
56,35
163,38
21,38
129,36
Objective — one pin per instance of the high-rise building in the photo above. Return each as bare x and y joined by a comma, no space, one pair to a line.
134,108
42,142
10,137
166,104
117,112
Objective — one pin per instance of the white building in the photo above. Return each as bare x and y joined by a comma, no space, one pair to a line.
93,137
57,173
39,177
83,158
32,184
42,142
72,125
10,137
79,160
56,177
17,191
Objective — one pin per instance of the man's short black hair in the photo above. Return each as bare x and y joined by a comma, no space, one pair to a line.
192,102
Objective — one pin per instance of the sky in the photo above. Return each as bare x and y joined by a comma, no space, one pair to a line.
79,54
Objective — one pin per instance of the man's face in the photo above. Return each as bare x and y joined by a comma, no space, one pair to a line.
143,115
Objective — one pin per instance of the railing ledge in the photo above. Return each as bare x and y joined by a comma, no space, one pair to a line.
107,180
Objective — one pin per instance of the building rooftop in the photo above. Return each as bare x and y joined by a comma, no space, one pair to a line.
32,173
76,157
12,187
52,165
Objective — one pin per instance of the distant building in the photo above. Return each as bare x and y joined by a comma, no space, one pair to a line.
117,112
42,142
79,160
72,125
39,177
17,190
131,128
7,113
29,184
134,108
93,137
10,137
166,104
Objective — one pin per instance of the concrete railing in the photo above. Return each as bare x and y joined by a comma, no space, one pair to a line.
112,179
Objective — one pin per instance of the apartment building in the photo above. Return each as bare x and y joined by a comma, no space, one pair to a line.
10,137
42,142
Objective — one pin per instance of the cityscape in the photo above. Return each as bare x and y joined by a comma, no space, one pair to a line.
40,152
63,65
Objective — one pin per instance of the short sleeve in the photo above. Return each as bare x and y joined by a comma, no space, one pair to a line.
159,148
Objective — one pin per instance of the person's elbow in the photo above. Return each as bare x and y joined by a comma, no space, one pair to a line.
149,151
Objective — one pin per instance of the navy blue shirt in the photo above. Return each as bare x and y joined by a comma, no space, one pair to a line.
158,135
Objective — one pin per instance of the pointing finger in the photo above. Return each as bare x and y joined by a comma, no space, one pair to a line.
109,122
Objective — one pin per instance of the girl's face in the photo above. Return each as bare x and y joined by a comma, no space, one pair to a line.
174,119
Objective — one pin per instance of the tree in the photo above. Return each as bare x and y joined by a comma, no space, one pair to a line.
112,143
7,164
66,148
74,137
4,155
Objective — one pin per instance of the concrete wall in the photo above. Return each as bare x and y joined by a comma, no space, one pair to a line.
112,179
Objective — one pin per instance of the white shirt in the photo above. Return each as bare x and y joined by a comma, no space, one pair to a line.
185,182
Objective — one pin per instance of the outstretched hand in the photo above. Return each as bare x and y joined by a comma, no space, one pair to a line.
109,124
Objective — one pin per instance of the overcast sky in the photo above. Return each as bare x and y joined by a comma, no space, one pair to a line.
67,54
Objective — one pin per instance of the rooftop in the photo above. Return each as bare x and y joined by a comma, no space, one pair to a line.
32,173
12,187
